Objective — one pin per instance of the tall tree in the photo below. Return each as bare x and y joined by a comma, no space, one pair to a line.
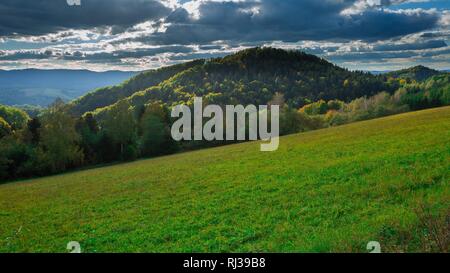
120,126
33,128
59,139
88,129
155,136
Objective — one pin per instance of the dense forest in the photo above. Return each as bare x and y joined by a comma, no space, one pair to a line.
254,76
133,120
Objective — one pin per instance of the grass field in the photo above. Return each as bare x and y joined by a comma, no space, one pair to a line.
328,190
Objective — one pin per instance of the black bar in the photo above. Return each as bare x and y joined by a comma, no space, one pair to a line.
226,262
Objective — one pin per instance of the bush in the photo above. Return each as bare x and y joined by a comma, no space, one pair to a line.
59,139
15,117
13,156
5,128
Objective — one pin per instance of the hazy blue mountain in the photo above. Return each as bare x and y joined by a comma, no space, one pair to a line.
42,87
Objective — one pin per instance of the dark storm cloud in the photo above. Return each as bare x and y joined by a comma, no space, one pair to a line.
249,21
411,46
37,17
285,20
380,24
289,21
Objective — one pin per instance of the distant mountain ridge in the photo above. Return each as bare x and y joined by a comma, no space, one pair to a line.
42,87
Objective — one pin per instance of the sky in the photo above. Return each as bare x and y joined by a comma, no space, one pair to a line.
375,35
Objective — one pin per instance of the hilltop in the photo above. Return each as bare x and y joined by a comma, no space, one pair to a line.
251,76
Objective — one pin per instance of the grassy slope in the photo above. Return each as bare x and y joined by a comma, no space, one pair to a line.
327,190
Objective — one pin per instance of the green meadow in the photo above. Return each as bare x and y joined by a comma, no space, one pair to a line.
330,190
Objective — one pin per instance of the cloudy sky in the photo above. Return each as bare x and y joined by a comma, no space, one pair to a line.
144,34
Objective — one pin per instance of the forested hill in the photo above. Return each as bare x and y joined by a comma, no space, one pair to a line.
417,73
249,76
109,95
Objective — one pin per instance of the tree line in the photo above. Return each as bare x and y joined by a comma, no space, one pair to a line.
433,92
